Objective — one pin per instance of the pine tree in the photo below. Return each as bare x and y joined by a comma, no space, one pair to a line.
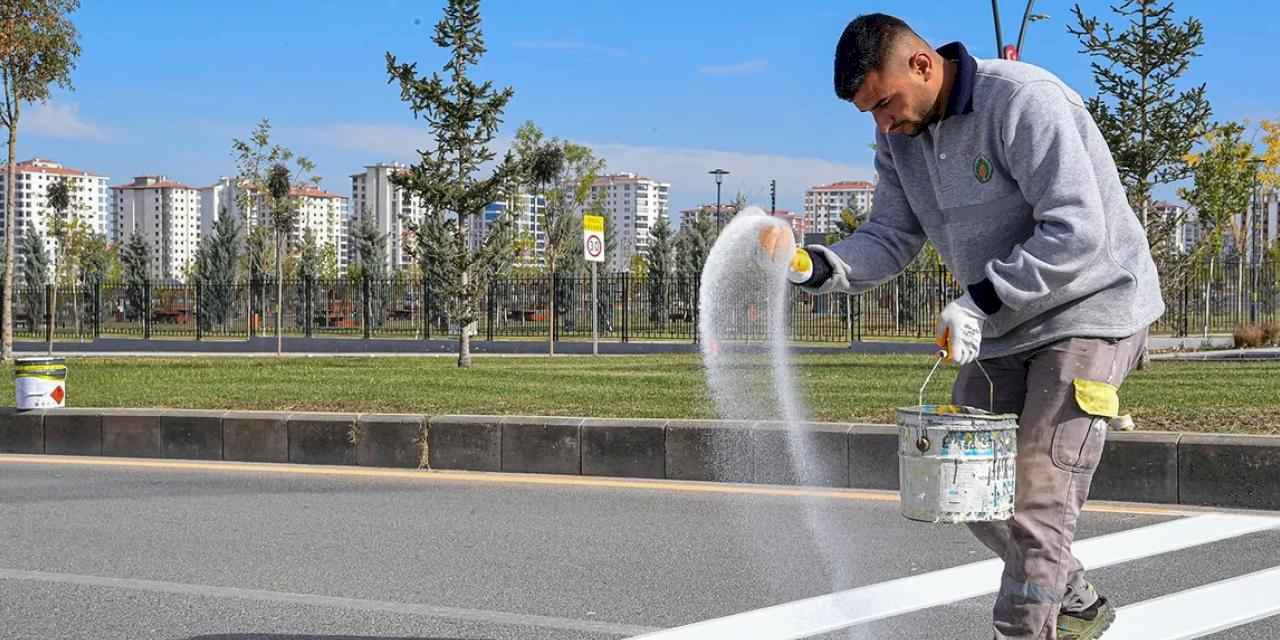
136,259
463,117
216,269
660,261
35,275
307,272
371,265
1149,125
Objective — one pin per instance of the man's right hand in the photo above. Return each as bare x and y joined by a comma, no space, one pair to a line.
776,248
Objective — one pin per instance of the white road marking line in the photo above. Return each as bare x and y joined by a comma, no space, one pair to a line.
1198,612
453,613
812,616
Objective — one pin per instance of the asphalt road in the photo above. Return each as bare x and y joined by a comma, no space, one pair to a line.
114,548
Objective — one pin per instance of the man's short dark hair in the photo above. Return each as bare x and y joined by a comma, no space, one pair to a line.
863,47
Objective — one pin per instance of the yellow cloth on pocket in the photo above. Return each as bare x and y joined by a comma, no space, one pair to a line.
1097,398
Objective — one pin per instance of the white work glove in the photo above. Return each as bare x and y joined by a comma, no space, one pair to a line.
959,330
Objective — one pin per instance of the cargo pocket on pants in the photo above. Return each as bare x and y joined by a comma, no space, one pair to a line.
1078,440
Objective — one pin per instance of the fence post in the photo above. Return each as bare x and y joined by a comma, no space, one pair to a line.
248,309
309,304
426,308
859,320
848,316
626,306
490,313
694,308
199,310
146,310
365,314
97,308
48,316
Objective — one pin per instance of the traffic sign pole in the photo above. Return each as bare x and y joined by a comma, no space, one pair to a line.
593,252
595,314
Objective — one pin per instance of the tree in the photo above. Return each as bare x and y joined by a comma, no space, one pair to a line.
283,216
136,260
463,117
848,222
35,274
1222,187
258,248
561,173
39,47
96,260
693,245
370,269
1269,174
660,262
327,269
70,235
1149,125
216,263
264,193
308,269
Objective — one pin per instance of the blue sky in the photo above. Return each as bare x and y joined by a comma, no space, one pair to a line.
664,88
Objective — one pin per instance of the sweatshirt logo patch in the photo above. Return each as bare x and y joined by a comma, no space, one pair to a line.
982,169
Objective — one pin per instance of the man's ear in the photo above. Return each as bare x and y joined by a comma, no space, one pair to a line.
921,65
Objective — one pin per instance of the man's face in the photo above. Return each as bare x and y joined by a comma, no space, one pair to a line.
903,96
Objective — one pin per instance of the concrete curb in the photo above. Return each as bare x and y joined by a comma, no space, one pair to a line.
1167,468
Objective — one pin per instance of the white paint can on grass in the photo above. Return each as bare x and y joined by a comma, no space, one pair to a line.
40,383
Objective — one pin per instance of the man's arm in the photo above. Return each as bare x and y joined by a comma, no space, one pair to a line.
1045,151
881,248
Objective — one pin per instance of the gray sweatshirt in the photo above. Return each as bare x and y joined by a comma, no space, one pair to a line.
1019,194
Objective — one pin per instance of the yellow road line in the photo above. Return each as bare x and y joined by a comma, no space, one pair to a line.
539,480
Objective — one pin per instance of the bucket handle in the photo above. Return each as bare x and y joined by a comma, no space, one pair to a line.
941,356
922,440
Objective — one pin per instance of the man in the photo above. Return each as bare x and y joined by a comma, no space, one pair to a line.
1000,165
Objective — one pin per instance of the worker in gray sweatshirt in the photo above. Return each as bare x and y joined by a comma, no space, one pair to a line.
1001,167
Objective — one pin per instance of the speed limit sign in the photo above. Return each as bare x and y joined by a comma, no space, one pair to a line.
593,238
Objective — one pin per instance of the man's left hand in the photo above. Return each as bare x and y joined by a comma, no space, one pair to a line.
960,330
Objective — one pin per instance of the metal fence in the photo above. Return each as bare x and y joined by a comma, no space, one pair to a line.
1200,297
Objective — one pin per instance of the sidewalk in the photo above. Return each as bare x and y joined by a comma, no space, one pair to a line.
121,347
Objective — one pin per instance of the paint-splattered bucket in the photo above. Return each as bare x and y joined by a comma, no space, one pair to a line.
956,463
40,383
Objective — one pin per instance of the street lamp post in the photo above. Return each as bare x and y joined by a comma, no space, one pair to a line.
1256,240
719,174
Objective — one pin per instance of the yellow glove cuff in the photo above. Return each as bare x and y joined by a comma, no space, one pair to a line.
801,262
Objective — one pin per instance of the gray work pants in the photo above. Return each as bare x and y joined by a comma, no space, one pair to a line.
1059,445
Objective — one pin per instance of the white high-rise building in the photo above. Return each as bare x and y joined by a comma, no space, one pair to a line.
823,203
31,203
528,210
1185,233
167,215
324,214
632,204
372,194
214,201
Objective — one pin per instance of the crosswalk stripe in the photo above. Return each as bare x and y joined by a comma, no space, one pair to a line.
821,614
1198,612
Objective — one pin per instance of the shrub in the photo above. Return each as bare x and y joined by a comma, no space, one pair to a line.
1249,335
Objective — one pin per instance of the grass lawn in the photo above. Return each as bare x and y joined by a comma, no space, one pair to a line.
1191,396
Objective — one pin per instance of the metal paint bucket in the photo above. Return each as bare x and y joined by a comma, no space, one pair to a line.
40,383
955,463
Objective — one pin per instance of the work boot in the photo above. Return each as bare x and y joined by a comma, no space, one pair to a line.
1088,624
